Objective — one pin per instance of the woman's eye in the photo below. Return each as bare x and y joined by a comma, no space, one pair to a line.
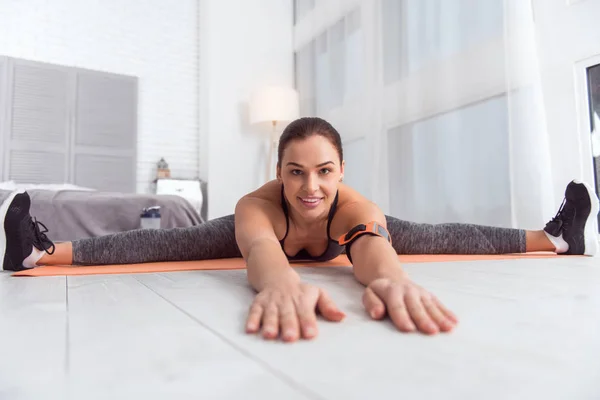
325,171
296,172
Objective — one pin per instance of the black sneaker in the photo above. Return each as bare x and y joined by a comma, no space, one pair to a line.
20,232
575,220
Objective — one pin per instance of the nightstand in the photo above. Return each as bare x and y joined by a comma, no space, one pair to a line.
189,189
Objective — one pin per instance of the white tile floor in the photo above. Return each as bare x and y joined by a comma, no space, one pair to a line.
530,329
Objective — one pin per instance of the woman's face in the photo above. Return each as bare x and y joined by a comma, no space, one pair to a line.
310,171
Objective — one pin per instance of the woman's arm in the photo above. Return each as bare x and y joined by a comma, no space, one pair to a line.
373,257
255,235
388,288
284,306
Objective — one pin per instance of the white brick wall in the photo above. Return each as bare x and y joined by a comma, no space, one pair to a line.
155,40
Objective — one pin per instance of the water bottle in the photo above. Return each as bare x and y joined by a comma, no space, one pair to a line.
150,218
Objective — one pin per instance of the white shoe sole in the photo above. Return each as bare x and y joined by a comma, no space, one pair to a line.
3,211
590,232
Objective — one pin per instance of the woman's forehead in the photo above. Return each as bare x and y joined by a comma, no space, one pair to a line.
312,146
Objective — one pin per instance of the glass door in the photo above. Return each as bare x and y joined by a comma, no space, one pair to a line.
593,78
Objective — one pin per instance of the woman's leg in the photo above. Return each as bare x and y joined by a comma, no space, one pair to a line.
210,240
571,231
453,238
24,244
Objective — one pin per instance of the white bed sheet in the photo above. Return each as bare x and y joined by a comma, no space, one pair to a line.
529,329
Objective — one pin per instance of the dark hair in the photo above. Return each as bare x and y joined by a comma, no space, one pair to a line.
305,127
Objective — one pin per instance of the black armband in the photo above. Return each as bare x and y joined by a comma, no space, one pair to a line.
372,228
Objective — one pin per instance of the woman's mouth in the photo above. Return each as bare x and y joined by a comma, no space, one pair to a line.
310,202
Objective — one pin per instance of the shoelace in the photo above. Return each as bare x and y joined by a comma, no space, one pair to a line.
40,239
561,219
560,211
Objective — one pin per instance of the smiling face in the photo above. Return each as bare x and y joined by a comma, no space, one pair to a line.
310,171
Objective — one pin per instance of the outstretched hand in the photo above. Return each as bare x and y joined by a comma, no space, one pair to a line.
289,311
409,306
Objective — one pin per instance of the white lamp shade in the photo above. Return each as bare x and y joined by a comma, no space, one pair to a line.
274,103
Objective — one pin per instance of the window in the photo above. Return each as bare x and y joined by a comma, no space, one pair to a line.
417,33
593,78
329,70
301,8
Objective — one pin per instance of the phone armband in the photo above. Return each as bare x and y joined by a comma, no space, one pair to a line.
372,228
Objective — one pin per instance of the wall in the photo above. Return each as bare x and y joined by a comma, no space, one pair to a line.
566,34
244,45
197,60
155,40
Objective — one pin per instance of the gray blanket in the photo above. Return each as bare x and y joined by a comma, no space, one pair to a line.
70,215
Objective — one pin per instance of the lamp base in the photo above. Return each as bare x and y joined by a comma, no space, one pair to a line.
274,143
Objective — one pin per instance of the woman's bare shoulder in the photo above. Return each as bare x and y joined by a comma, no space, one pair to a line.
266,199
270,192
349,196
257,217
354,208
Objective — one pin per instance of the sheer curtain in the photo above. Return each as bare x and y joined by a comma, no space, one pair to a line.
438,102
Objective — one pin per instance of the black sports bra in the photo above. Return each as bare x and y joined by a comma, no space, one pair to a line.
333,248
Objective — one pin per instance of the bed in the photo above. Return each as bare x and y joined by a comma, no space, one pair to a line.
73,212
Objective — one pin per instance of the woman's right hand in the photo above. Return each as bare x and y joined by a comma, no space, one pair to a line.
289,311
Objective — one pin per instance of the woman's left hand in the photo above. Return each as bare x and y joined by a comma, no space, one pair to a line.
409,306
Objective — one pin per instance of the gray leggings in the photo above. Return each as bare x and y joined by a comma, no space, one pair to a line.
216,239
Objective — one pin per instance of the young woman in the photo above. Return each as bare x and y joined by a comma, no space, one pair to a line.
308,214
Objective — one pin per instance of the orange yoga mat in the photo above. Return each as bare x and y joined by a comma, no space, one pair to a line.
238,263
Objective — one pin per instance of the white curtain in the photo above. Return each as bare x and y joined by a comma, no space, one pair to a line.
438,102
